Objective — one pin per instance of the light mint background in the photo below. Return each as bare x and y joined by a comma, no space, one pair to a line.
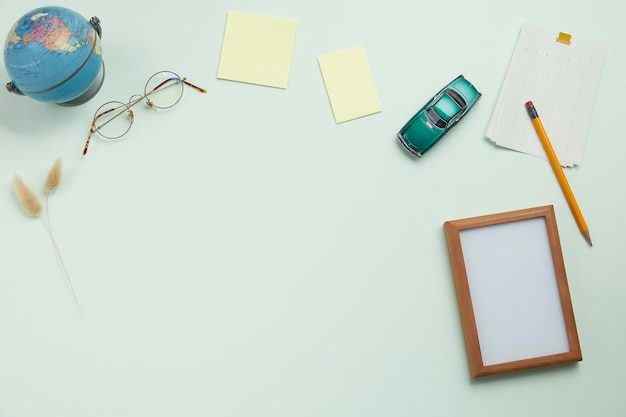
243,255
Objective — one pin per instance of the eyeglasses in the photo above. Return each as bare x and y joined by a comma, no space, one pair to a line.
113,120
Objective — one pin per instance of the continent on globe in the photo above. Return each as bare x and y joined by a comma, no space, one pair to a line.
53,54
51,32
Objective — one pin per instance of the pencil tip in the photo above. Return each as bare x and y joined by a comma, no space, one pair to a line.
587,237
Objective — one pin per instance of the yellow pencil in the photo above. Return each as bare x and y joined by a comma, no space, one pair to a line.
558,171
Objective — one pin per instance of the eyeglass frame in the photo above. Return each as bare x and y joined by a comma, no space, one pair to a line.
134,99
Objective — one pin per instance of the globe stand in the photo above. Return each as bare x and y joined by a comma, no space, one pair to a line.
11,88
90,93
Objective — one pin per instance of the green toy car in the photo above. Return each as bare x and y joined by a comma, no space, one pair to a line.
438,116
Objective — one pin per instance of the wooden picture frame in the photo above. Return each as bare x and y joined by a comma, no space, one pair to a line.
512,290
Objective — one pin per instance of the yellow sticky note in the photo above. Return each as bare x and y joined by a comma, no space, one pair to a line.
349,84
257,49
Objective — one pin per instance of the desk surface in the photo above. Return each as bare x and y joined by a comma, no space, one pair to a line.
241,254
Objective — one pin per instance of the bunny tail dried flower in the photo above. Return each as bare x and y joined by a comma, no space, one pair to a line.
31,205
52,182
29,201
54,176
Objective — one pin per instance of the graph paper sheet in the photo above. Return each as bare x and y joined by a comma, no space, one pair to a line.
561,79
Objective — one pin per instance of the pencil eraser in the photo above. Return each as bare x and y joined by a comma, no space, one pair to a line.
529,104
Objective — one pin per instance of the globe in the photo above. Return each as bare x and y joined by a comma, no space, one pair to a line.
53,54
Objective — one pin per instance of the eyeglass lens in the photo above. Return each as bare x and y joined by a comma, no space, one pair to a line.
113,119
164,89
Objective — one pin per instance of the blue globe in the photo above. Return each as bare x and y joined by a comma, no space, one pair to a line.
53,54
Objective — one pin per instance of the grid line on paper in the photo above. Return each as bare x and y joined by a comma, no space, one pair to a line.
562,81
558,82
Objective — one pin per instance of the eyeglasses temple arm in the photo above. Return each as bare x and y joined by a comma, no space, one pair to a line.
200,89
184,80
93,126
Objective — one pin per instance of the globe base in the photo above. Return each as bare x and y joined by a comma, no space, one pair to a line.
90,93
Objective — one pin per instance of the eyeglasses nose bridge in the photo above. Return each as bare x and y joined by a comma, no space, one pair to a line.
150,104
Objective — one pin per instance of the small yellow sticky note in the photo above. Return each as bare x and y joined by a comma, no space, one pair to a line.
257,49
565,38
349,84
